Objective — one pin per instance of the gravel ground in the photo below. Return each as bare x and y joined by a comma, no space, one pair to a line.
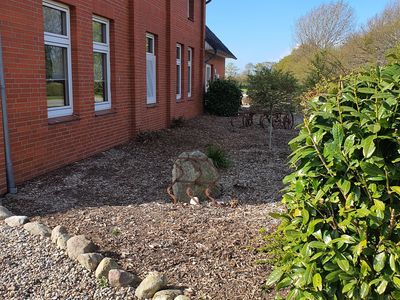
118,199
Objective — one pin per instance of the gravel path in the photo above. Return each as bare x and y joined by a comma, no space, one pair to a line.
118,199
32,268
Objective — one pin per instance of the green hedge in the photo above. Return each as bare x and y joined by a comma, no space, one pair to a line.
223,98
342,225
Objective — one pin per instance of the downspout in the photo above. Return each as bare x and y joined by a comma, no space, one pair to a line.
12,189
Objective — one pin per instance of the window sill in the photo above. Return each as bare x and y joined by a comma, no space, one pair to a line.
61,120
152,105
191,19
105,112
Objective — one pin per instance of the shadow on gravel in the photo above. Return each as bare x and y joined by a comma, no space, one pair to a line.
139,171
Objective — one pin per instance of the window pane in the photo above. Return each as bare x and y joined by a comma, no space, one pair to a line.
56,76
149,45
178,52
100,77
99,32
54,21
178,79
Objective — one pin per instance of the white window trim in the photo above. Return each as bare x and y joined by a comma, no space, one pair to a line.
207,80
152,56
105,49
58,40
190,71
179,63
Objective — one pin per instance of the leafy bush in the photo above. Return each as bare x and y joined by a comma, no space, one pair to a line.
343,199
223,98
219,157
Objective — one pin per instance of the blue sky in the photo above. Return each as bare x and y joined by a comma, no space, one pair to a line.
262,30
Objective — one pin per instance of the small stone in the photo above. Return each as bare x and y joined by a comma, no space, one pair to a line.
36,228
121,278
56,232
90,261
182,297
154,282
79,244
5,213
62,241
105,266
16,221
167,294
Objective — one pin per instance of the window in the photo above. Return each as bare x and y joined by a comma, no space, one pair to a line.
189,75
150,68
101,63
178,71
190,5
208,75
57,40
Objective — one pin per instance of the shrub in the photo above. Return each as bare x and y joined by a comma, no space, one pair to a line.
223,98
218,157
342,224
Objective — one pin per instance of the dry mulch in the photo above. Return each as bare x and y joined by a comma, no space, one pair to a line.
118,199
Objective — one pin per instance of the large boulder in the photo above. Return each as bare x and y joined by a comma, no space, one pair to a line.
78,245
196,171
120,278
35,228
5,213
105,266
16,221
167,295
153,283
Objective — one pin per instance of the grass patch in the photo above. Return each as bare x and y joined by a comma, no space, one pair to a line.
219,157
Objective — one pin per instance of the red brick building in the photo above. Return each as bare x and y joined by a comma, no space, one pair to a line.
82,76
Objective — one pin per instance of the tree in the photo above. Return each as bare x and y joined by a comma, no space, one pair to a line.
231,70
271,89
329,25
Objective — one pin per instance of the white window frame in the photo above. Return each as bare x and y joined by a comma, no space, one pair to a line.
179,64
206,78
190,71
63,41
104,48
152,56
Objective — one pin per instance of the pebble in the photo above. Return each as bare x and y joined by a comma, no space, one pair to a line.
33,268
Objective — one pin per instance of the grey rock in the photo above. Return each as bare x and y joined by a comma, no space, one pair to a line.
56,232
5,213
196,171
120,278
62,241
16,221
90,261
78,245
36,228
105,266
153,283
167,294
182,297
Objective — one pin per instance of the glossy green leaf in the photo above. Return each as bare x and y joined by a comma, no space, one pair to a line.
317,282
368,146
382,287
364,290
274,277
379,261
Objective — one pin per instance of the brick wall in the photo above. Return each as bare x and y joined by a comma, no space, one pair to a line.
37,146
218,66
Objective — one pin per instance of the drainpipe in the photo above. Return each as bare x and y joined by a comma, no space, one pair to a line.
12,189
